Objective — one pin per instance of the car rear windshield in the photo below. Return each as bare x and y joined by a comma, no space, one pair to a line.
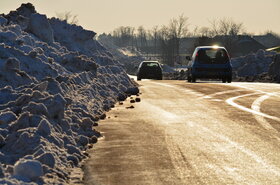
212,56
150,64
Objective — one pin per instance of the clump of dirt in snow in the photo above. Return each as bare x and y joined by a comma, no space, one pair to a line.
56,81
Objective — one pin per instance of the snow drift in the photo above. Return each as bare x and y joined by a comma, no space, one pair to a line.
56,81
252,64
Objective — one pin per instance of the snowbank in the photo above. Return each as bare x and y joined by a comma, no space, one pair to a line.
56,81
252,64
129,57
274,68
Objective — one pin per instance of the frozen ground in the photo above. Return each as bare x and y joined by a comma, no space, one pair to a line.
56,81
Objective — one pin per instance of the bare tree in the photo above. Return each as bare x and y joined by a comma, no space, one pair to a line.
142,37
68,17
123,36
155,37
178,28
195,32
226,30
214,29
169,38
204,32
229,27
226,27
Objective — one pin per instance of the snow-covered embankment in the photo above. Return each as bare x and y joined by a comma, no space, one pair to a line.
254,66
56,81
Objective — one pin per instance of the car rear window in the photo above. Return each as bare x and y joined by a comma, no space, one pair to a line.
212,56
150,64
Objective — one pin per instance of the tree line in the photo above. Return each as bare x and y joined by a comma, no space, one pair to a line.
165,41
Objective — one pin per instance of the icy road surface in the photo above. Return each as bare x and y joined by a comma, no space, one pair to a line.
191,133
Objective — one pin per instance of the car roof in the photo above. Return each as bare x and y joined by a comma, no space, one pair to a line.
152,61
210,47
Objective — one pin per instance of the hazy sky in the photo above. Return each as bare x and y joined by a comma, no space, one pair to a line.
104,15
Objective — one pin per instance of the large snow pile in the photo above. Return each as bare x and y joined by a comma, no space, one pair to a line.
252,64
274,68
56,81
129,57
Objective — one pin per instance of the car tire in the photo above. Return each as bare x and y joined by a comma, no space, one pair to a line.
189,79
229,79
193,79
159,78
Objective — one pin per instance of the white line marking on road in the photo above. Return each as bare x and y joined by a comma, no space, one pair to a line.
220,93
231,102
256,106
217,100
253,89
165,85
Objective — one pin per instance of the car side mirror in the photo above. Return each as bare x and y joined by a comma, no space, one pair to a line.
188,57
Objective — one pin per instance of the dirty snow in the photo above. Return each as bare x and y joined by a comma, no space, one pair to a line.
56,81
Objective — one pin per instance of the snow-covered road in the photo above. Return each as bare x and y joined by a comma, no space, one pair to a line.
191,133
